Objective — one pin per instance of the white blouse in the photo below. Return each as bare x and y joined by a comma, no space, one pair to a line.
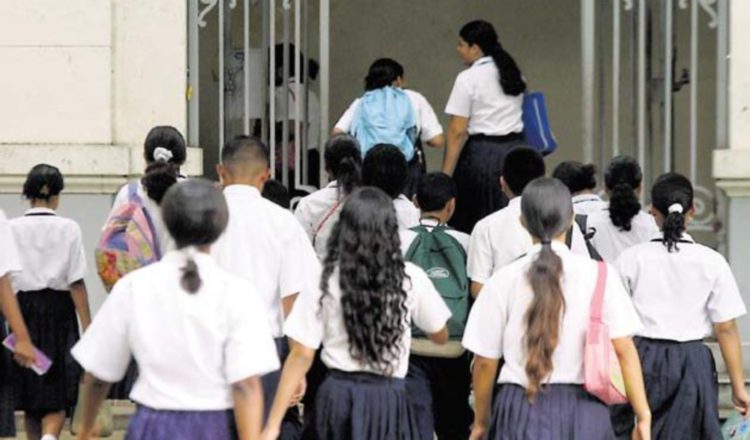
610,241
9,260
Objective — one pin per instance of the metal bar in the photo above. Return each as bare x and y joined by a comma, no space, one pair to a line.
246,64
325,36
285,94
271,85
221,77
601,109
297,93
193,92
306,92
588,29
668,82
641,87
694,92
615,77
722,75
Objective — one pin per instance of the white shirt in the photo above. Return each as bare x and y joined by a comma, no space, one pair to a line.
406,213
313,208
264,244
313,112
9,260
585,204
679,295
610,241
408,236
166,243
500,238
51,251
496,327
427,122
425,308
189,348
478,96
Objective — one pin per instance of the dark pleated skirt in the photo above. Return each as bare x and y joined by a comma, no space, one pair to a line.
682,390
362,406
152,424
477,178
559,412
7,401
51,319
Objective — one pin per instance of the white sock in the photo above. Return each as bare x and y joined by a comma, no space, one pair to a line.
48,437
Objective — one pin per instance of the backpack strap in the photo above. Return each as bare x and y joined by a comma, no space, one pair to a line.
133,197
597,300
327,217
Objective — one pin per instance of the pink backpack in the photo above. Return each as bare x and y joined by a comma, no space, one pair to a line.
602,374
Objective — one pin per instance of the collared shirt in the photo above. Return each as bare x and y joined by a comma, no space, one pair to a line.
496,327
166,243
266,245
311,327
190,347
478,96
679,295
585,204
406,213
9,260
408,236
610,240
51,251
313,208
427,121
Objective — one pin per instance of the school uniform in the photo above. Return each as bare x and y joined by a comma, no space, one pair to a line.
190,347
312,209
265,245
495,126
585,204
52,258
356,400
9,263
611,241
496,329
407,213
439,383
164,240
500,238
679,296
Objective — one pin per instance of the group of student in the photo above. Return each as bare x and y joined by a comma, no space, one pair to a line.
384,318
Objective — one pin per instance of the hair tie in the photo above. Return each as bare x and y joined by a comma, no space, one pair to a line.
675,207
161,154
546,241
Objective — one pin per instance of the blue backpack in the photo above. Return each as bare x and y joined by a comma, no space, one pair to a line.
385,116
536,128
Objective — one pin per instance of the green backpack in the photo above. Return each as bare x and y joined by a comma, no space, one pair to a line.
444,260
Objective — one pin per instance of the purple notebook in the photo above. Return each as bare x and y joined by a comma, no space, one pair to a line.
41,363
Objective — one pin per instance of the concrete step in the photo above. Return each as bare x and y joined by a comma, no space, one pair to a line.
122,410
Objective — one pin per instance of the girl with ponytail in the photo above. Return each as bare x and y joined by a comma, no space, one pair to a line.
485,109
533,314
623,223
684,292
200,335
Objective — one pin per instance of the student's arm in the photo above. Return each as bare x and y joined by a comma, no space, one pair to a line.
93,394
336,131
634,387
483,382
24,353
247,395
475,288
457,133
731,351
80,298
437,142
288,302
440,337
296,366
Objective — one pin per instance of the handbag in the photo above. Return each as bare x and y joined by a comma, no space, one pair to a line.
536,128
601,368
737,427
104,425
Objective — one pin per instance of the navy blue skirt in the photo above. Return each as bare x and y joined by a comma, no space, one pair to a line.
152,424
559,412
361,406
682,390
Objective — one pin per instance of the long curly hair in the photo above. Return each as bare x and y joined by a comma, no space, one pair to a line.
364,247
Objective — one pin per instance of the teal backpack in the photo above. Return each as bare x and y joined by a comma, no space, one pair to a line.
444,260
385,116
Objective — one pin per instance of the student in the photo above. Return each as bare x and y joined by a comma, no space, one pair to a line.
684,292
50,291
581,181
485,110
318,211
439,378
384,167
198,332
533,314
361,314
386,73
276,192
265,245
622,224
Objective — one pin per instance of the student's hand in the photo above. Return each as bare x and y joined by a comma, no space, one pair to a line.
741,401
478,432
24,353
270,433
299,393
642,429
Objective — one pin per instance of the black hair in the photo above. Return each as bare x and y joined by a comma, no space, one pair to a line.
311,69
434,191
195,213
43,182
159,177
670,189
343,159
547,211
382,73
385,167
483,34
365,248
521,165
622,177
246,148
276,192
576,176
168,137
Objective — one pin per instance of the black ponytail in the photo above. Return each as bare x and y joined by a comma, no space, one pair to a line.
672,196
159,177
191,279
43,182
343,161
622,178
483,34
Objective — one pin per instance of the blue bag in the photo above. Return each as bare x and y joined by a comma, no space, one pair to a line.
737,427
385,116
536,128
